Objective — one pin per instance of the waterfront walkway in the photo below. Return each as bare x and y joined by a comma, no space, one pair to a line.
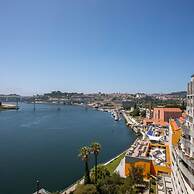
41,191
129,119
72,187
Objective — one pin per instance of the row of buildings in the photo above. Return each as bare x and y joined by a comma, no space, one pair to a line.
161,115
182,147
166,150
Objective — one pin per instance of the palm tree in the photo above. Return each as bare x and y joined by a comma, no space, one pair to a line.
95,148
84,154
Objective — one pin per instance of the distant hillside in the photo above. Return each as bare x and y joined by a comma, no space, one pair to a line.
181,93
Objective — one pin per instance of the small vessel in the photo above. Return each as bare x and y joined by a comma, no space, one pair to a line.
115,115
9,107
116,118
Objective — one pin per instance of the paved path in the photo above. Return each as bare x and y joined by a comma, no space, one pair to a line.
41,191
72,188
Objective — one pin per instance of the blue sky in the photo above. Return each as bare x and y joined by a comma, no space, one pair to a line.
96,45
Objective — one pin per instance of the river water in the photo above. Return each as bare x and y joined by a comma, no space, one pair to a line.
45,144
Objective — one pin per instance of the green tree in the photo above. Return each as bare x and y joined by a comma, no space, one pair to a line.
136,112
86,189
102,173
143,113
95,148
111,185
84,154
136,175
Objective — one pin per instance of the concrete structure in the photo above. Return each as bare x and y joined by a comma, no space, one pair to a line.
161,116
42,191
144,163
176,175
164,114
182,148
149,113
153,158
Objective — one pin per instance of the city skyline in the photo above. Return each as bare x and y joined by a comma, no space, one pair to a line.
96,46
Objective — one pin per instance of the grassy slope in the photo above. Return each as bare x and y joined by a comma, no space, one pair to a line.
113,165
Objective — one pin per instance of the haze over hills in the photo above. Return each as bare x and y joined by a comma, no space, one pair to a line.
176,93
181,93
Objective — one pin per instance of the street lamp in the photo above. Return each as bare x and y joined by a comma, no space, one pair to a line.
37,186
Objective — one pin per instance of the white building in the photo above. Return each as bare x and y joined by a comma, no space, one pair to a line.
182,154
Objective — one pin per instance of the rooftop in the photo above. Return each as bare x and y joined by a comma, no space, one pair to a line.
158,153
139,149
169,109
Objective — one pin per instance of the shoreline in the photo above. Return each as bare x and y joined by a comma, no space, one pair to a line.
73,186
129,122
104,163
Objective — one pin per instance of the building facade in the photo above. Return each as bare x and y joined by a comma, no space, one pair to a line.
164,114
161,116
182,148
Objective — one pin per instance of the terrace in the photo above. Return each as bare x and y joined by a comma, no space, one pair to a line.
156,134
145,150
165,185
138,149
158,156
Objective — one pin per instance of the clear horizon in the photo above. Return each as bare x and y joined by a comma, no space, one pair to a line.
96,46
94,93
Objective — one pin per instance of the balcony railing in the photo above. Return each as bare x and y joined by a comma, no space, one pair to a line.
186,172
186,158
185,141
185,129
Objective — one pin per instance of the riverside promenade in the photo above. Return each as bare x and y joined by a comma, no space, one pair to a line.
132,123
130,120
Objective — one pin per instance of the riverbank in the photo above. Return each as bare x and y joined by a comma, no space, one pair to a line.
110,167
59,136
132,123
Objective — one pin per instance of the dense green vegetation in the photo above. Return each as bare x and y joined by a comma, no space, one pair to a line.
150,102
135,113
114,184
152,186
103,180
86,189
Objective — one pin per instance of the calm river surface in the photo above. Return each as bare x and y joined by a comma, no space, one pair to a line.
45,144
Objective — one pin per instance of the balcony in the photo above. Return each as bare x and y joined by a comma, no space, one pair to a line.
186,172
185,130
186,158
185,141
